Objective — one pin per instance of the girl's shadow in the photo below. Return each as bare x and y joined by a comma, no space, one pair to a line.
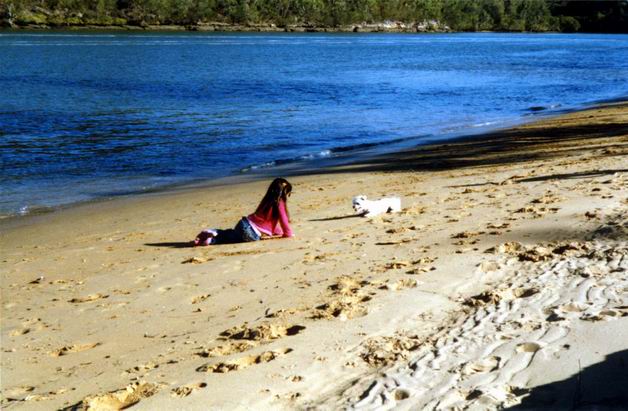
186,244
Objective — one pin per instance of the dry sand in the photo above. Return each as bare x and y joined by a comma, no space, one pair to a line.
502,282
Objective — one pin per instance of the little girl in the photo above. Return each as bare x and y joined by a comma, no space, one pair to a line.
269,220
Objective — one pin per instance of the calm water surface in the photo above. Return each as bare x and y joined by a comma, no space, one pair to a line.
84,116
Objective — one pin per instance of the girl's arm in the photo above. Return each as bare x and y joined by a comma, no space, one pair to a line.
284,221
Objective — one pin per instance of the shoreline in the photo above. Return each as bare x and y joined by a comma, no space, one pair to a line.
290,167
293,167
225,28
382,27
394,27
108,306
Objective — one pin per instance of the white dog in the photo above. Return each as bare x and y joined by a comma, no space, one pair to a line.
371,208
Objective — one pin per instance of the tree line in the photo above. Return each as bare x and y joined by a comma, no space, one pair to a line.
459,15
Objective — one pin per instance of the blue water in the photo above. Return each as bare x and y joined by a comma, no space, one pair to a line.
84,116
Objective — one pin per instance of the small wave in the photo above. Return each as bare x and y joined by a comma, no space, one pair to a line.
31,210
322,154
274,163
364,146
279,162
258,166
484,124
535,109
332,152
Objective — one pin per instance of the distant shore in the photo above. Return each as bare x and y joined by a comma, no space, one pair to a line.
383,27
316,16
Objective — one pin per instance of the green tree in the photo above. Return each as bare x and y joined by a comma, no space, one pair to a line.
536,15
426,10
461,15
491,15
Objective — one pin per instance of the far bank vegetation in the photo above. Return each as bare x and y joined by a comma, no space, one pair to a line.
387,15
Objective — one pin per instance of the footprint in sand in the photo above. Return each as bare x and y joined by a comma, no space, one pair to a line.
385,350
501,226
623,309
423,264
314,259
481,366
603,315
186,390
396,265
200,298
523,292
420,270
72,349
19,331
243,362
343,308
262,333
347,285
88,298
467,234
227,349
396,242
536,211
536,254
401,394
197,260
490,297
506,248
398,230
546,199
347,296
489,266
401,284
142,368
118,400
243,252
20,390
19,393
529,347
573,307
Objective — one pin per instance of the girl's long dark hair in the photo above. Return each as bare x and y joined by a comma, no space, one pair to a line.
278,190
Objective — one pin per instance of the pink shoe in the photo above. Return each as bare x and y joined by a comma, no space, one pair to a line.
205,237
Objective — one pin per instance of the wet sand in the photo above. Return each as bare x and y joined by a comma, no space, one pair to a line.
502,282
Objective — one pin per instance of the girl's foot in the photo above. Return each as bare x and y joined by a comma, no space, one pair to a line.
205,237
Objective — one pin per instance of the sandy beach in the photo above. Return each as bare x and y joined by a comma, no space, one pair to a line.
502,282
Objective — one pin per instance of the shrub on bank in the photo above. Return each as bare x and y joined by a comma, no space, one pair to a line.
26,18
569,24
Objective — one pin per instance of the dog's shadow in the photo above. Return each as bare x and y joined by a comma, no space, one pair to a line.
337,218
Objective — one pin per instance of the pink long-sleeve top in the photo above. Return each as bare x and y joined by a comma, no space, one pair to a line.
268,225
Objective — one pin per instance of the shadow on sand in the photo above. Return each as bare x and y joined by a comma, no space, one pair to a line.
343,217
583,174
601,386
564,176
186,244
503,147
